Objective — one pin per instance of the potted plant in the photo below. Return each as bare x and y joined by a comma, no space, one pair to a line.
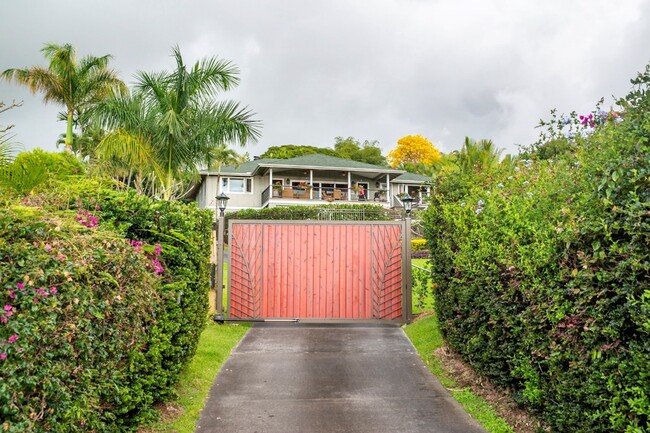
277,189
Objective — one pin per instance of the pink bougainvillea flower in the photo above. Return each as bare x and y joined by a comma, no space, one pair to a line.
3,319
12,294
157,267
48,247
21,286
137,245
3,356
53,290
8,307
13,339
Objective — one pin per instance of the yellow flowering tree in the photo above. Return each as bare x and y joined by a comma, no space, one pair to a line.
413,150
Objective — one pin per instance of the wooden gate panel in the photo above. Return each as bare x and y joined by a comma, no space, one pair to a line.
245,271
316,270
387,272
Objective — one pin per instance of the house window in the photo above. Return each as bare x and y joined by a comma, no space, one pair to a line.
241,185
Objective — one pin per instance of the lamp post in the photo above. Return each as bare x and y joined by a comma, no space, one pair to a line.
407,201
222,201
408,205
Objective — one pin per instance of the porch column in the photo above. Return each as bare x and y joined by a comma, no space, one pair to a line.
389,194
271,177
311,182
349,185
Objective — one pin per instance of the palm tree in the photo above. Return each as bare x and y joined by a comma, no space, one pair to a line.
7,146
173,122
76,85
478,155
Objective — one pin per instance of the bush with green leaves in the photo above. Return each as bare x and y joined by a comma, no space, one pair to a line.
32,170
370,212
78,304
543,273
184,232
160,270
422,289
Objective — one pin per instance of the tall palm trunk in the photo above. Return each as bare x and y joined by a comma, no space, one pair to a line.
68,133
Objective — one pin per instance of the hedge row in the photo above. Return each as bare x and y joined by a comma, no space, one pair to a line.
366,212
542,274
104,296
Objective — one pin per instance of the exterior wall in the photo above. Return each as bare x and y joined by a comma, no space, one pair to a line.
208,192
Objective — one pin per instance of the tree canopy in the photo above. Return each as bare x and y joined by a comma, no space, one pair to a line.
414,153
171,123
368,151
289,151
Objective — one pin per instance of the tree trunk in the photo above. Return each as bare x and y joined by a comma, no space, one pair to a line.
68,133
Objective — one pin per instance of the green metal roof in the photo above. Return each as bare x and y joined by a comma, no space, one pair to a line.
247,167
313,161
411,177
320,161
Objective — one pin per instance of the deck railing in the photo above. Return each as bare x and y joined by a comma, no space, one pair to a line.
324,194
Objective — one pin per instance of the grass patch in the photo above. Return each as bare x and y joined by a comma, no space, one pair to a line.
215,345
423,263
426,337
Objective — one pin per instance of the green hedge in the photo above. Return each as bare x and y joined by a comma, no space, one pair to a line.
77,306
543,275
131,281
370,212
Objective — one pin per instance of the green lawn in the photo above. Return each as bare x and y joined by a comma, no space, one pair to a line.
215,345
426,337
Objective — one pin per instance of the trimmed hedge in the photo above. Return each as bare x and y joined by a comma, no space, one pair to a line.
131,285
543,275
371,212
77,307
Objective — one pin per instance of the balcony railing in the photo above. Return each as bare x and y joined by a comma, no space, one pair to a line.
299,194
324,194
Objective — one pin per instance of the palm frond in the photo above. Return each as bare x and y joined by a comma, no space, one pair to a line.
233,124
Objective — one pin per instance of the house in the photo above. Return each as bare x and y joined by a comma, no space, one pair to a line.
308,180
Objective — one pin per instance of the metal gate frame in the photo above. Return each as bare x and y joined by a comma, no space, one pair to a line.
253,278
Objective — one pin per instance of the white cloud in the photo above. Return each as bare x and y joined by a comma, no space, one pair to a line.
378,69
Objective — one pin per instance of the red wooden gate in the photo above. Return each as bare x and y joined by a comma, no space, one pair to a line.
319,270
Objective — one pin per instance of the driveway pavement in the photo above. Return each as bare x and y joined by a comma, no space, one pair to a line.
329,378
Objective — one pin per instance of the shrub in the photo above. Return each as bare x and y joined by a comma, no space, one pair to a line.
422,288
418,244
78,304
36,169
370,212
542,274
172,243
184,232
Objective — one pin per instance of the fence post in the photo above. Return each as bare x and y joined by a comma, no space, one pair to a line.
407,306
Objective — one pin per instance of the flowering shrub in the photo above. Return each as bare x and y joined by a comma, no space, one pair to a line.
546,289
418,244
174,238
112,307
77,309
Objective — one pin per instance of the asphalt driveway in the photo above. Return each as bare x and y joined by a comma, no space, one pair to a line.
304,378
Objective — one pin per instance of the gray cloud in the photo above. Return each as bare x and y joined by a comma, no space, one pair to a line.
370,69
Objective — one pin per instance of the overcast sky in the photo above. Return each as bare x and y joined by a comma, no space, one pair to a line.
371,69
